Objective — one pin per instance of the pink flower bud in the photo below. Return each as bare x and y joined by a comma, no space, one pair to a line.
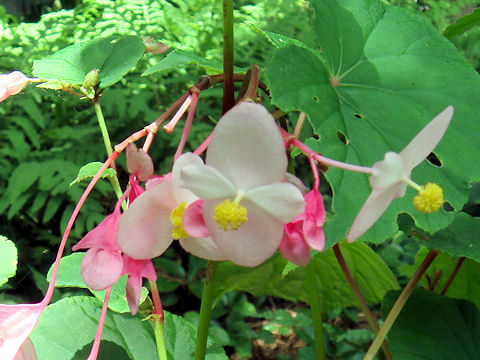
12,84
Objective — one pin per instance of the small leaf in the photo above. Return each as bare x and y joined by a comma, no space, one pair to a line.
8,259
89,171
463,24
278,40
431,326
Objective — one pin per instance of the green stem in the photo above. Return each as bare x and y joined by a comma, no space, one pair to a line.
397,307
314,301
205,310
228,90
108,147
159,337
361,300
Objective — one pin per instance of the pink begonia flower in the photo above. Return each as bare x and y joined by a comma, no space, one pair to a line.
27,351
392,175
16,324
245,199
154,219
12,84
305,231
139,163
102,264
136,270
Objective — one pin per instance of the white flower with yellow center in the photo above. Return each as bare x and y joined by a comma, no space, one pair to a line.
150,224
246,201
391,176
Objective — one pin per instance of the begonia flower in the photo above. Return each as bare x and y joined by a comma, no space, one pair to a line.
12,84
27,351
102,264
150,224
136,270
392,175
16,323
245,199
305,231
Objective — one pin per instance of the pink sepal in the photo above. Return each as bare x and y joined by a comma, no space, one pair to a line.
193,221
293,246
139,163
101,268
103,235
314,220
135,189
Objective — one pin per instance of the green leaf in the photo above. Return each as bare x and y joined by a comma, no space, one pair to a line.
391,68
89,170
278,40
459,238
56,338
463,24
466,284
431,326
8,259
373,277
69,275
179,59
112,56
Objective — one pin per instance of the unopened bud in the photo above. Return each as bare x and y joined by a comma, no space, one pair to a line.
91,79
154,47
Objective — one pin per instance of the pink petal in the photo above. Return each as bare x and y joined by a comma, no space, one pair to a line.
427,139
203,248
314,208
139,163
184,160
101,268
254,242
371,210
27,351
314,235
102,236
294,248
133,291
136,190
145,229
247,147
3,93
16,324
16,82
206,182
193,221
157,179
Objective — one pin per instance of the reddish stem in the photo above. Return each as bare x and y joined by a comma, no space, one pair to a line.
188,125
101,322
453,275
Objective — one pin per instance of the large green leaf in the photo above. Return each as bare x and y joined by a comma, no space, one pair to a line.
373,277
431,326
8,259
68,327
112,56
466,284
463,24
69,275
392,68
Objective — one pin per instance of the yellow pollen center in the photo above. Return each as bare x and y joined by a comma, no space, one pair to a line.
229,215
429,198
178,232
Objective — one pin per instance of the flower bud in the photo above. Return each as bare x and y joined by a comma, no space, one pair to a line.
154,47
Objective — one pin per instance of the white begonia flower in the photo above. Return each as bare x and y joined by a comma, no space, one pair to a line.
391,176
150,224
246,201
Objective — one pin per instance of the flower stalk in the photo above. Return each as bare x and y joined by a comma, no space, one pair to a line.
314,301
228,90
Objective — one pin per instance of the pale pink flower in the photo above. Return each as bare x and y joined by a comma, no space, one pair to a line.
12,84
244,176
136,270
154,219
305,231
392,175
27,351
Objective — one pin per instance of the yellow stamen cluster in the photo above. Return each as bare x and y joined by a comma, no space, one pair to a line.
229,216
178,232
429,198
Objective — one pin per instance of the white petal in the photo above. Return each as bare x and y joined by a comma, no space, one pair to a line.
371,210
203,248
184,160
427,139
284,201
145,229
388,171
206,182
254,242
247,147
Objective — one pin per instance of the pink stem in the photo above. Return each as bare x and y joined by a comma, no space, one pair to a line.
51,286
188,125
171,125
148,141
316,178
203,146
101,322
322,159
